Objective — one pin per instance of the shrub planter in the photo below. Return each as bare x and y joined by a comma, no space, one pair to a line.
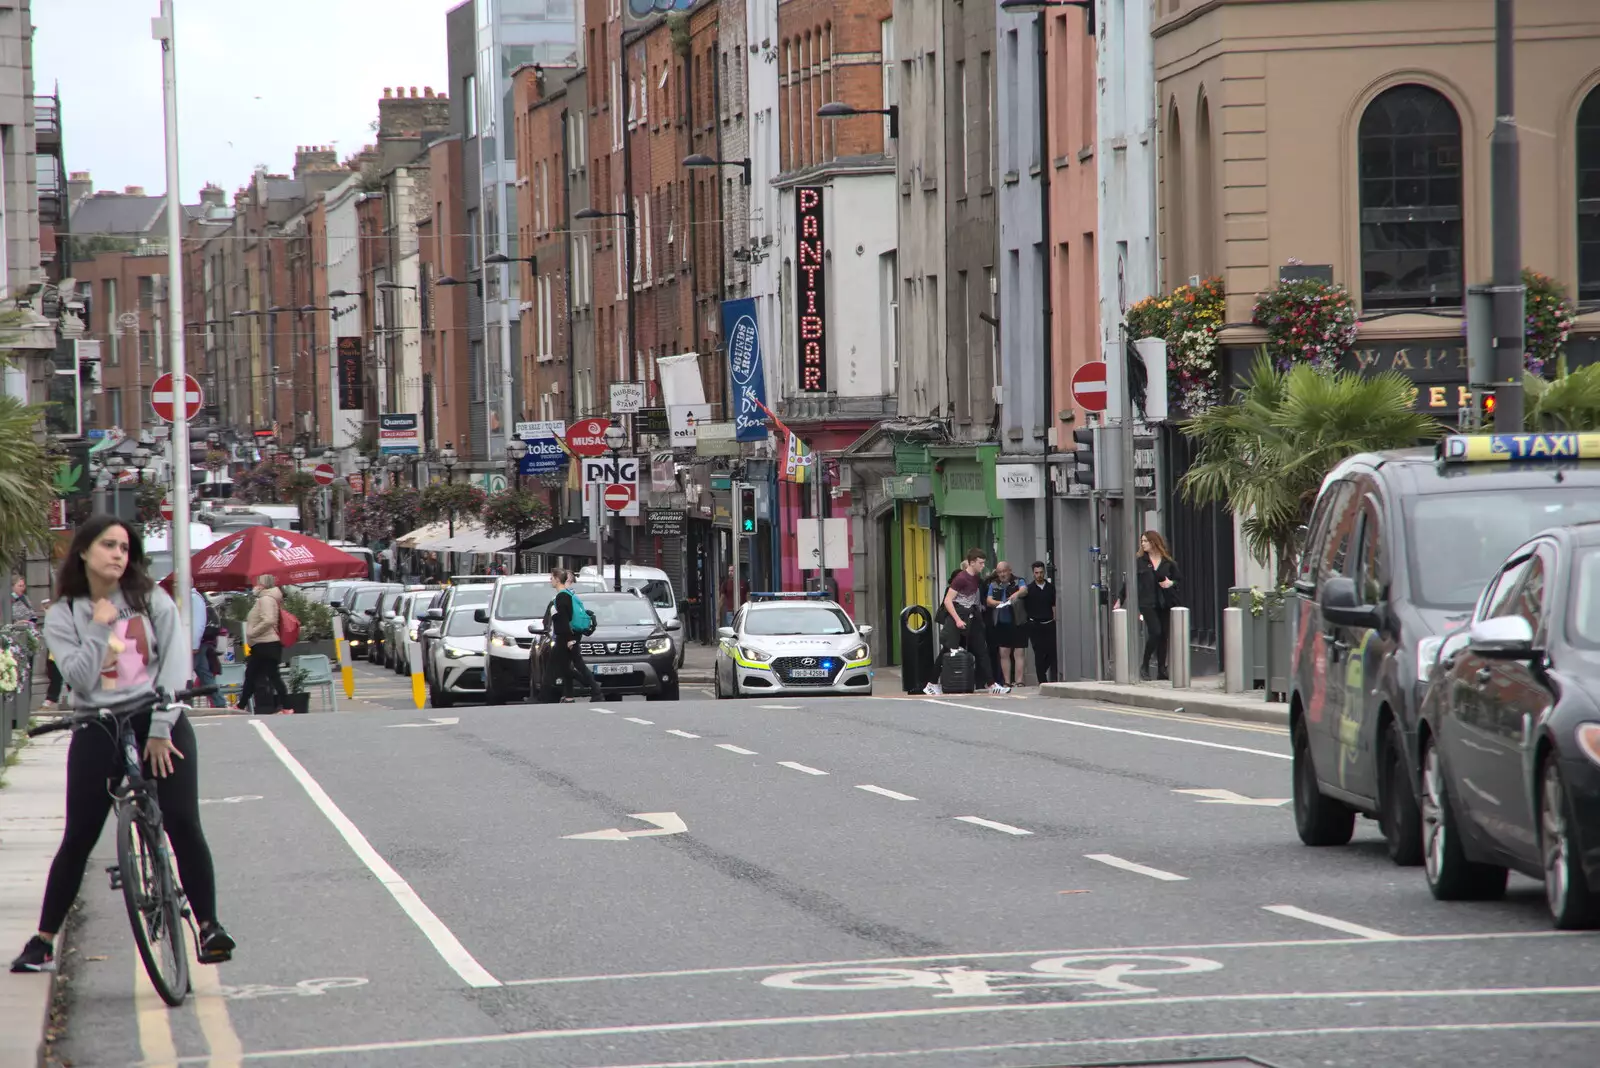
1278,616
322,646
298,702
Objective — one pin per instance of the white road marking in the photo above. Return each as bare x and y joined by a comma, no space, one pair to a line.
895,794
636,719
433,721
665,823
683,734
1137,869
432,928
1114,730
992,825
1336,924
1289,943
736,749
780,708
1228,797
603,711
509,1037
801,767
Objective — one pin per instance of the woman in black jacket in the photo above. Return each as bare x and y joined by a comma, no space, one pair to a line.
1157,583
568,662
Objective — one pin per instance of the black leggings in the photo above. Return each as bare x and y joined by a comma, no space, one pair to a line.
1157,625
263,684
568,664
94,766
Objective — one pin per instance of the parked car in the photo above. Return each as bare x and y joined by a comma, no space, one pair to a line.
361,617
800,644
1399,547
654,585
629,652
458,655
473,591
409,625
515,614
1510,734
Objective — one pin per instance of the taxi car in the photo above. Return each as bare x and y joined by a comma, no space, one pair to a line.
1399,547
792,644
1510,733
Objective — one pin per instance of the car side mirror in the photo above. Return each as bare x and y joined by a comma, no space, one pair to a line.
673,624
335,604
431,633
1502,638
389,615
724,632
1342,607
434,613
480,615
372,612
865,630
536,627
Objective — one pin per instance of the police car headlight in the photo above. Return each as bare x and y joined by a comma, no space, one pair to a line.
1427,656
860,652
753,654
659,645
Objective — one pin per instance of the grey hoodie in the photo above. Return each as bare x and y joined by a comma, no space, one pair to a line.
80,645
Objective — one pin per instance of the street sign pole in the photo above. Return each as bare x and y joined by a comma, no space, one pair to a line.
162,30
738,525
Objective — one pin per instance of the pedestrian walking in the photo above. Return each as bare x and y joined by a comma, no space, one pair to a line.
1039,606
263,682
727,596
203,641
1156,584
962,619
568,660
1008,640
117,637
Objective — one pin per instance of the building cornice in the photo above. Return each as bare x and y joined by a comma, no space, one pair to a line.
844,167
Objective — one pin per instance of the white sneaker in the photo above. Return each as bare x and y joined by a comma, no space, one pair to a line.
932,690
997,689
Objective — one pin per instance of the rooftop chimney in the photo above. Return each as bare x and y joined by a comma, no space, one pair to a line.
133,190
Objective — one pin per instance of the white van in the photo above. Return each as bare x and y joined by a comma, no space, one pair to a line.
651,583
158,548
283,516
515,614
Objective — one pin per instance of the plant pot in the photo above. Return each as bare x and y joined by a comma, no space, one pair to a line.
1253,638
1280,647
322,646
297,702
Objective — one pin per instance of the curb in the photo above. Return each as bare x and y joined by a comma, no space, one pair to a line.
1189,701
32,798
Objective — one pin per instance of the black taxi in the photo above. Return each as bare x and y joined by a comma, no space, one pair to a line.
1398,550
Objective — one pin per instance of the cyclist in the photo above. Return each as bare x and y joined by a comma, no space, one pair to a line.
116,637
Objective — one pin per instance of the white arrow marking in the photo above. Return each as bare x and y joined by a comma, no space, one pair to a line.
1228,797
434,721
666,823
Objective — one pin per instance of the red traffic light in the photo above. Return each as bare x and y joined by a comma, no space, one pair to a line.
1488,404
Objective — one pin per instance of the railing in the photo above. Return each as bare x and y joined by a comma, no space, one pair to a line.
1201,539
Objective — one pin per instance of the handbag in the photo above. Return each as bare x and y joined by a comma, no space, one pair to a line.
288,627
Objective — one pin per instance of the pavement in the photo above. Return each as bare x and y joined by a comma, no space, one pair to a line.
974,880
1204,696
31,821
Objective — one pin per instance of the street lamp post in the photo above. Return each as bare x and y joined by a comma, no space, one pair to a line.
516,449
364,465
448,458
840,110
616,438
141,460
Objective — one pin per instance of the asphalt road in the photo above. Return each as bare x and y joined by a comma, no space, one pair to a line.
943,882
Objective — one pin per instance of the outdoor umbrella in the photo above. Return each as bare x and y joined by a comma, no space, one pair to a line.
235,562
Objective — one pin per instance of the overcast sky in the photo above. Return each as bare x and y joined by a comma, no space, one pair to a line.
255,79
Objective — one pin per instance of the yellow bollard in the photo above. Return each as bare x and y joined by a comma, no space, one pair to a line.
341,652
419,692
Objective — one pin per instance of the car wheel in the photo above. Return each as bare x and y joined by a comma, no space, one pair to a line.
669,692
1574,905
491,692
1319,819
440,700
1451,876
1399,815
716,682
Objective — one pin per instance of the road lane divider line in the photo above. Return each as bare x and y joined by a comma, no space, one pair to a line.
683,734
154,1020
211,1010
737,749
1137,869
432,928
1113,730
992,825
636,719
501,1038
1333,923
603,711
894,795
804,768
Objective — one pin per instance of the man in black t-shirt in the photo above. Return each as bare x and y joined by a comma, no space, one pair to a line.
1040,603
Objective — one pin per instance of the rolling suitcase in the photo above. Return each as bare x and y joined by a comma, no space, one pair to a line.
957,671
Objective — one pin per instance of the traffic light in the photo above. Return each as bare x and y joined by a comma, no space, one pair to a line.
1083,458
747,509
1488,407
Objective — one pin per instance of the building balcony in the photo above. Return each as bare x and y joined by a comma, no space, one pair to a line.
821,407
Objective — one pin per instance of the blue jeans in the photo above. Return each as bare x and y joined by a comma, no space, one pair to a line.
202,667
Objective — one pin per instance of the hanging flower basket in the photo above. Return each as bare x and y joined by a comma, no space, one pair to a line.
1307,321
1550,318
1189,319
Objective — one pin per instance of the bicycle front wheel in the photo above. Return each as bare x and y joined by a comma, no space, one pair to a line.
155,909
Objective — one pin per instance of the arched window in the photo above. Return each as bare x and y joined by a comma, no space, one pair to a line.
1177,208
1589,197
1409,152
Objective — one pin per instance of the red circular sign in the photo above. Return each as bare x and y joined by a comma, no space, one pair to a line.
166,509
618,496
587,437
163,401
323,473
1089,386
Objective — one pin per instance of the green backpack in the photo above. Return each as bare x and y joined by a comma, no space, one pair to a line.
582,621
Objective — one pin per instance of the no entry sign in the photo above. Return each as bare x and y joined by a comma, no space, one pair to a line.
618,495
323,473
163,401
166,509
1089,386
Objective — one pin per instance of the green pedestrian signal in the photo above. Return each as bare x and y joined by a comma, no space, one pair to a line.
747,509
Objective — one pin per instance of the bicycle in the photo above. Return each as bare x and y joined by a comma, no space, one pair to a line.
144,872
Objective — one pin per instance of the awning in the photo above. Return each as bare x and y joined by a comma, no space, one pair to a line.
429,538
471,538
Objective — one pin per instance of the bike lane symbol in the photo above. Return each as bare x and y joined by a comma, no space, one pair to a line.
1101,976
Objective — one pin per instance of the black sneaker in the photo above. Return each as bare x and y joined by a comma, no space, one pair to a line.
215,944
37,956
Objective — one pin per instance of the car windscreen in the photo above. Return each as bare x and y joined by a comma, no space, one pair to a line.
797,619
623,611
1457,540
421,603
524,600
462,625
466,595
1583,613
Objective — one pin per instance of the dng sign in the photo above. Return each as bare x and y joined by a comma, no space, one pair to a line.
811,288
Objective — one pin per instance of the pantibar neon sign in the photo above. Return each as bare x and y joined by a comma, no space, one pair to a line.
811,301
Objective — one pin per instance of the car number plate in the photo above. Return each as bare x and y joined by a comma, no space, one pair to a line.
615,669
808,673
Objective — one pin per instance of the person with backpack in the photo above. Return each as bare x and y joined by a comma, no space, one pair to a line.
961,613
571,622
263,682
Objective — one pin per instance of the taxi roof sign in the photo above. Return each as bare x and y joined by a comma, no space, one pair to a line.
1500,448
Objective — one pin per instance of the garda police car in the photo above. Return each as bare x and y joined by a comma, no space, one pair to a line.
1398,550
792,644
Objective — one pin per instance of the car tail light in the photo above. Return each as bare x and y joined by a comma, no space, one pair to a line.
1589,740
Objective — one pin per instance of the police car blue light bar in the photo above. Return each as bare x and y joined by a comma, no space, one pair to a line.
1490,448
808,595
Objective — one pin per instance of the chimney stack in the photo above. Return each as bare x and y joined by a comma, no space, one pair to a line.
133,190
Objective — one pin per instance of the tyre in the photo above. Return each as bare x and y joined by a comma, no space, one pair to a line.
1574,905
1320,820
1398,813
491,691
1451,876
439,700
669,692
155,910
716,683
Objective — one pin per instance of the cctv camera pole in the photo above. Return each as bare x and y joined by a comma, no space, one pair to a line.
161,29
1506,180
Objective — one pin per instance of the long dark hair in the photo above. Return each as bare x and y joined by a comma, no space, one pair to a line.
73,579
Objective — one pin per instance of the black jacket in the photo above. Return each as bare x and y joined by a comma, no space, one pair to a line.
1149,579
562,616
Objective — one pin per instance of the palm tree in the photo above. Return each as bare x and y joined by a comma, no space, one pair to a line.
1571,402
27,481
1266,454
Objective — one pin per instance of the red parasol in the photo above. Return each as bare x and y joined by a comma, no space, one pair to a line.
235,562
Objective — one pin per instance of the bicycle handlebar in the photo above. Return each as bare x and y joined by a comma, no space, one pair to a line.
105,710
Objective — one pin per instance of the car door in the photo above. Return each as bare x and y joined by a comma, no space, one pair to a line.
1330,644
1365,651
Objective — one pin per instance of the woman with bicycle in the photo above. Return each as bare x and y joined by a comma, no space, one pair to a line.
116,637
